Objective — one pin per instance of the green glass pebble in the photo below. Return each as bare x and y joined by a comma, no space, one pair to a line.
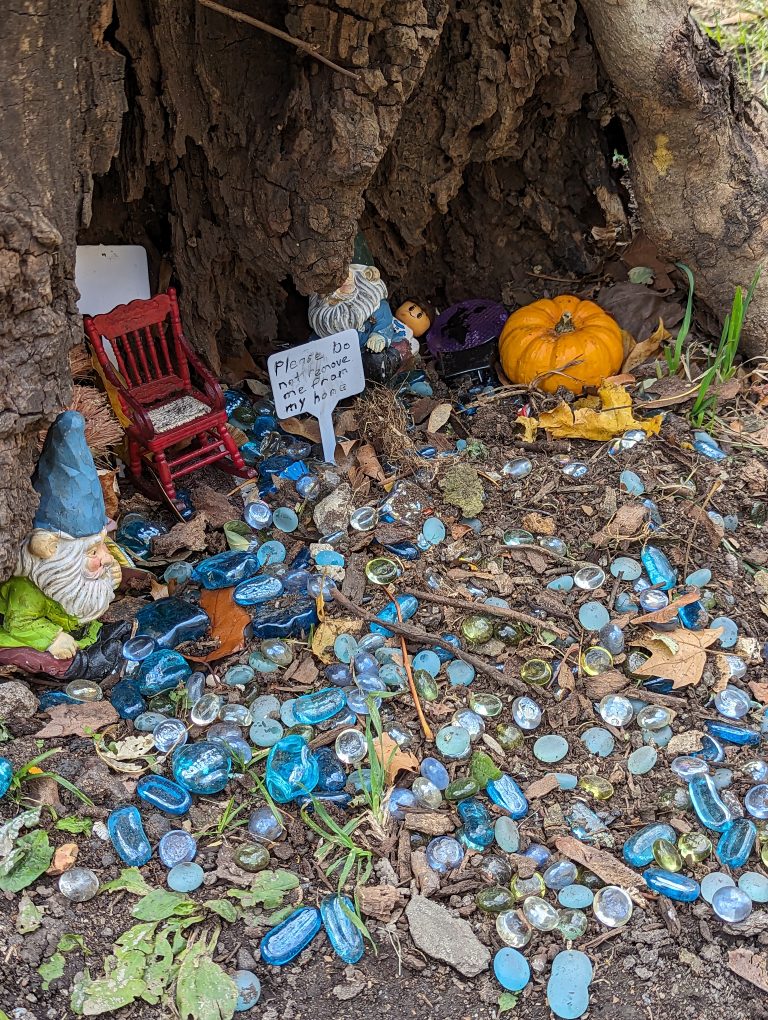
461,788
483,768
382,570
537,672
426,685
572,924
522,888
252,857
486,705
494,899
550,748
642,760
666,855
507,834
477,629
509,736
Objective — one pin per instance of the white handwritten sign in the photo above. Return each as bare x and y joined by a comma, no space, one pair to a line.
313,378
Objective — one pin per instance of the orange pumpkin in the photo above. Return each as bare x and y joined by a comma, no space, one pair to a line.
560,342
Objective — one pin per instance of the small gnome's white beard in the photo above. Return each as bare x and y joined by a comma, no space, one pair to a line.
337,312
63,578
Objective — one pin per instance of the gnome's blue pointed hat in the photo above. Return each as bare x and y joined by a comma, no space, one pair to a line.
71,499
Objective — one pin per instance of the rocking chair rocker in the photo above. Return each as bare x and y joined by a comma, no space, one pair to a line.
166,393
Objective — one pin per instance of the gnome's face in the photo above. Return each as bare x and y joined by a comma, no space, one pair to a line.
348,307
79,573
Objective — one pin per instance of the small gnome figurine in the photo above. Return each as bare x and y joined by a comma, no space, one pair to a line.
65,575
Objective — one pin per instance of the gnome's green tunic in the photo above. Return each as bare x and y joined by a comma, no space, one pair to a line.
32,620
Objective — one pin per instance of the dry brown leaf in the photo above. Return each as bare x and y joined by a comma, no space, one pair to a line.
668,612
157,590
603,864
369,463
645,349
759,690
677,655
64,858
78,720
541,787
394,758
438,417
753,967
539,524
628,523
598,686
326,634
214,504
302,672
307,428
228,623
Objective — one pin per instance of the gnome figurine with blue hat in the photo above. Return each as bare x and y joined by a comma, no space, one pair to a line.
65,575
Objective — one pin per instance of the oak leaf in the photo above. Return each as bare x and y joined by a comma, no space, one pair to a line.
677,655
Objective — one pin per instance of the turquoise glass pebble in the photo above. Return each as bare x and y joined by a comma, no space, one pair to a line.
408,606
638,849
507,834
248,990
508,796
575,897
128,837
730,634
270,553
631,483
550,748
736,843
566,781
598,741
460,673
310,709
626,568
562,583
345,647
642,760
453,741
594,616
6,775
239,676
284,942
329,558
266,732
673,885
202,768
658,568
285,519
511,968
343,935
292,770
257,590
699,578
755,886
568,984
712,882
185,877
258,661
433,530
708,804
428,661
163,670
164,794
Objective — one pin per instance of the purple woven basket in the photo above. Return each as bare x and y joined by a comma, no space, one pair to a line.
467,324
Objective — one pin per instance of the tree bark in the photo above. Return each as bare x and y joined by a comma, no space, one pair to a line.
699,152
61,100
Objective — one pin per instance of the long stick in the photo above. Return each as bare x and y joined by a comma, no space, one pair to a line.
298,43
422,638
481,607
425,727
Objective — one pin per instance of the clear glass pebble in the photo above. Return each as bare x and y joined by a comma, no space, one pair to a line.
168,734
518,468
654,717
176,847
756,800
527,713
84,690
444,854
79,885
365,518
540,914
616,710
732,702
732,904
589,578
206,710
612,906
512,929
517,536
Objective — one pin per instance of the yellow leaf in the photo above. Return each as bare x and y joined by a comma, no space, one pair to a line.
679,655
611,420
326,634
439,417
530,426
645,349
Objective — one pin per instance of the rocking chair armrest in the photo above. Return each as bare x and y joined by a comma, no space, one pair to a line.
210,387
139,416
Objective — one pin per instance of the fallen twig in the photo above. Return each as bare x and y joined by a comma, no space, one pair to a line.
425,727
278,33
464,605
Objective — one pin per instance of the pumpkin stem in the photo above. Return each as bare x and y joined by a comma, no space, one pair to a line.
565,325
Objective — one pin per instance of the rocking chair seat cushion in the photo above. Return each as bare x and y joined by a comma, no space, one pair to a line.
178,412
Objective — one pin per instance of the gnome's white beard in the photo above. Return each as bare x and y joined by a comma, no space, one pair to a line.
337,311
63,578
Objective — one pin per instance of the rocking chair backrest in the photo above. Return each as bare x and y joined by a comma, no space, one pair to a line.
145,336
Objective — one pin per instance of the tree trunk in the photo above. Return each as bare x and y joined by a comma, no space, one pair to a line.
61,100
474,148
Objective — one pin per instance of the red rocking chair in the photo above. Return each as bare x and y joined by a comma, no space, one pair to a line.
166,393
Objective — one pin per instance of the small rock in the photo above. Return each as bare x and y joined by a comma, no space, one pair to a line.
436,932
345,992
245,960
16,701
426,878
332,513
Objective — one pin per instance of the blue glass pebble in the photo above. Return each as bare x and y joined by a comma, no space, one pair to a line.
593,616
333,778
6,775
128,837
127,700
400,801
550,748
225,569
408,606
631,483
164,794
658,568
171,621
344,936
638,848
163,670
405,550
51,698
310,709
271,552
736,843
731,734
433,530
202,768
185,877
267,621
730,634
755,886
598,741
291,770
511,969
427,660
435,772
575,897
562,583
258,589
707,803
673,885
460,673
176,847
508,796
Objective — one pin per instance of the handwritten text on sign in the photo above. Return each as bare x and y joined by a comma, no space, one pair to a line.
313,378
